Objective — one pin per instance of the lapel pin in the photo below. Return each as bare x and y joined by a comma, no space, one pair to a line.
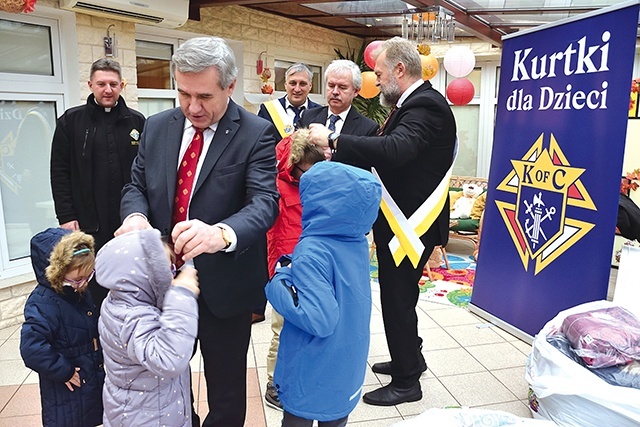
226,132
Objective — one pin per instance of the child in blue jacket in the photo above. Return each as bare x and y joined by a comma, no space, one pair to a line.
324,295
59,338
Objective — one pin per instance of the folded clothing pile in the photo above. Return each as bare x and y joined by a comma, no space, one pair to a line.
604,337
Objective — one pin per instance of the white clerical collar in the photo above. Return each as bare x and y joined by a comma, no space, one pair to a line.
106,109
408,92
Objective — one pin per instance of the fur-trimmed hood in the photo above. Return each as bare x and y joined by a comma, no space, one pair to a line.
135,268
42,246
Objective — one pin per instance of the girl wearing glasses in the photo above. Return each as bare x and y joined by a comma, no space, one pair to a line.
59,338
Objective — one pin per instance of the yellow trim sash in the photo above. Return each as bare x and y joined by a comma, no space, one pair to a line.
283,123
406,241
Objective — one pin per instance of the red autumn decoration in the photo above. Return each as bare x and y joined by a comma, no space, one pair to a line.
18,6
630,184
265,76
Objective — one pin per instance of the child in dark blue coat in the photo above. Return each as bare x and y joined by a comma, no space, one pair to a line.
59,337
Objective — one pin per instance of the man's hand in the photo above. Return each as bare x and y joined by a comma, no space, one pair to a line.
74,381
318,135
188,278
133,222
193,237
71,225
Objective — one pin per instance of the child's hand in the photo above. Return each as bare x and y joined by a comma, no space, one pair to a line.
75,380
188,278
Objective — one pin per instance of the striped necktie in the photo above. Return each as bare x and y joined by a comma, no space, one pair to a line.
384,125
332,122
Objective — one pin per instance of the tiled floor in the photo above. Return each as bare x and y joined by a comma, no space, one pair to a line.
471,363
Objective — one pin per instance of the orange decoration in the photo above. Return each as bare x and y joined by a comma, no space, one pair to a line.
369,88
429,66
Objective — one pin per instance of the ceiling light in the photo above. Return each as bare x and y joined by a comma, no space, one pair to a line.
434,25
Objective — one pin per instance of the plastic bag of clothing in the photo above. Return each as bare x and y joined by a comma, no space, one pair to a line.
470,417
605,337
570,394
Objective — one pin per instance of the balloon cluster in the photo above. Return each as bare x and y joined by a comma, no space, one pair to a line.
369,88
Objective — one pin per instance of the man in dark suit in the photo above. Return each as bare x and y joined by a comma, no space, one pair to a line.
232,203
412,154
284,112
343,82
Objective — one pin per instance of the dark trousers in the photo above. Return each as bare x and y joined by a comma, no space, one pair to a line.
290,420
399,296
224,344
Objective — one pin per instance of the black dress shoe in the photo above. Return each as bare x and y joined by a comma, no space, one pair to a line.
385,367
390,395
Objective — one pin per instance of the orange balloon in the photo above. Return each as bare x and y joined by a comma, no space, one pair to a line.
369,88
429,66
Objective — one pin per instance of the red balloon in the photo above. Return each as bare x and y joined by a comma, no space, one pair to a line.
460,91
368,53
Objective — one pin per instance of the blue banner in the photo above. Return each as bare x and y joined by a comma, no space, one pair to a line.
556,164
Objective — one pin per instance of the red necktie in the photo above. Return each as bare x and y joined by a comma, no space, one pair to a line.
384,125
186,176
184,185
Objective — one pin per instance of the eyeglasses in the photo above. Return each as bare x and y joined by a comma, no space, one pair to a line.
75,284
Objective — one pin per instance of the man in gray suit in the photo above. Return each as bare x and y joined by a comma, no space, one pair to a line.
232,203
343,82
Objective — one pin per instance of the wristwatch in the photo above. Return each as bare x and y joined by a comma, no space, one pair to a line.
332,138
225,237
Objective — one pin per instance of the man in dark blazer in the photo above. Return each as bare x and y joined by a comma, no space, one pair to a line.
343,82
285,112
412,156
233,202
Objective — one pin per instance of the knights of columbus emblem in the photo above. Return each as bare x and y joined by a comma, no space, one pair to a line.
545,183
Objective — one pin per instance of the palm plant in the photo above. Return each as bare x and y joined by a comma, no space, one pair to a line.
368,107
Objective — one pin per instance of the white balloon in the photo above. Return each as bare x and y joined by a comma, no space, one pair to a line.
459,61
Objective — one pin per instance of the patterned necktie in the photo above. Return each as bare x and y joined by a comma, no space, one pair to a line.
186,176
332,122
297,111
384,125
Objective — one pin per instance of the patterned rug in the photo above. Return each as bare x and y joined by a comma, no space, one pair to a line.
451,287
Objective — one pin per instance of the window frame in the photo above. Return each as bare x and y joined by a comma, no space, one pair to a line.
61,88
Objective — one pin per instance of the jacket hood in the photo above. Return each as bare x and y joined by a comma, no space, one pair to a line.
134,267
42,245
338,199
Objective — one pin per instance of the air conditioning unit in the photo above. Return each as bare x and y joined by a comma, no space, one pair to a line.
163,13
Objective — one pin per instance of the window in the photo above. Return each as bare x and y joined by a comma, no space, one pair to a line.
32,94
281,67
152,64
156,90
28,46
26,130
